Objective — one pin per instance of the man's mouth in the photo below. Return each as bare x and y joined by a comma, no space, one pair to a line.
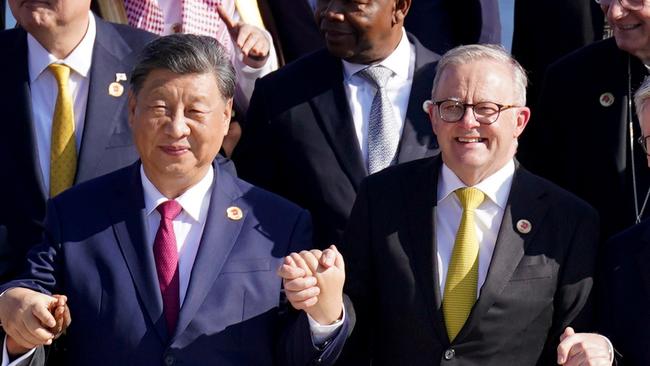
627,27
470,139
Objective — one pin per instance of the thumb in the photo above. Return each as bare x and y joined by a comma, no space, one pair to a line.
42,313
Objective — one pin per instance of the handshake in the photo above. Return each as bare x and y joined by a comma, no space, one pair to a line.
40,319
313,281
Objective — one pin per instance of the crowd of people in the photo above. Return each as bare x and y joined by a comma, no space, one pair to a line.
336,182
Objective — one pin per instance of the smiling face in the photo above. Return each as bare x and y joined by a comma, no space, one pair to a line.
361,31
631,29
178,124
474,151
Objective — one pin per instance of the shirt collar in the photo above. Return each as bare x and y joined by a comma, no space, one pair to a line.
496,187
190,200
78,60
398,61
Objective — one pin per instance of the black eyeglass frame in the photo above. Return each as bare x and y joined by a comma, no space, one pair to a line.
500,108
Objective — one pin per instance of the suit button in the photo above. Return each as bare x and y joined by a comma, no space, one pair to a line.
449,354
169,360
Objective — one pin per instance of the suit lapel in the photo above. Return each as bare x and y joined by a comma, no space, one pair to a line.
419,208
417,140
103,112
129,217
20,132
333,114
524,202
219,237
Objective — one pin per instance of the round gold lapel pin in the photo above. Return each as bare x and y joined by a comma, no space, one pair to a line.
234,213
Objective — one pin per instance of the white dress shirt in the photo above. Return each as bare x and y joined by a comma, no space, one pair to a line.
44,91
246,75
360,91
488,217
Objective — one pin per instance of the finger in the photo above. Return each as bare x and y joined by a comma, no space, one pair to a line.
567,348
246,41
328,259
227,20
252,45
67,317
32,331
339,262
17,336
310,259
43,314
302,305
300,262
298,296
288,272
300,284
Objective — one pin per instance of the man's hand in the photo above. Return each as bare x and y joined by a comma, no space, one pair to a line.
313,282
25,316
250,40
585,349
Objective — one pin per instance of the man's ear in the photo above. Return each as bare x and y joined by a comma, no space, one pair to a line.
131,106
523,116
401,9
227,115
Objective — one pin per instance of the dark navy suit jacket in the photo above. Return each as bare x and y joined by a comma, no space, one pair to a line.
233,312
106,143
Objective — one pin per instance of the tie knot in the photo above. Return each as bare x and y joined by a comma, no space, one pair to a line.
61,72
377,75
169,209
470,198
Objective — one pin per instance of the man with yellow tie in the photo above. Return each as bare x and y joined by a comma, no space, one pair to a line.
467,258
64,78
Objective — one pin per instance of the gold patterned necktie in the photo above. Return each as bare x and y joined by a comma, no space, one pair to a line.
462,274
63,152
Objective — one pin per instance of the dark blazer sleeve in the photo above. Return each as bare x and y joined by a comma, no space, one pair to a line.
297,347
573,303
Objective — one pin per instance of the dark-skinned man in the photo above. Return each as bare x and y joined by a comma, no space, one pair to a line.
332,124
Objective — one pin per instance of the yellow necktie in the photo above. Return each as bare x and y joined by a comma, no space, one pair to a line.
63,152
462,275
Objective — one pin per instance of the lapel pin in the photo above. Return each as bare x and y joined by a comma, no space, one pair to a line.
606,99
115,89
234,213
524,226
120,76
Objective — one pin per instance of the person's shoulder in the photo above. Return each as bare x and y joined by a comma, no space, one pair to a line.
587,57
136,38
554,194
262,200
402,173
11,35
631,238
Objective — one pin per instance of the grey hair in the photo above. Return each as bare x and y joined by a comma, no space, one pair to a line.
641,96
186,54
475,52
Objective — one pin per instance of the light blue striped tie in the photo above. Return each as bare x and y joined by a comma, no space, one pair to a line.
383,128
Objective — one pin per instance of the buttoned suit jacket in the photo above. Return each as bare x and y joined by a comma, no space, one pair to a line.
538,282
97,255
623,288
579,135
299,140
106,141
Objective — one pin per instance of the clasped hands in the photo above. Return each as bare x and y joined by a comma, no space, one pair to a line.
313,281
31,319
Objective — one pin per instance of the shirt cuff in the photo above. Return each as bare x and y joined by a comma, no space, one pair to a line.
5,355
323,333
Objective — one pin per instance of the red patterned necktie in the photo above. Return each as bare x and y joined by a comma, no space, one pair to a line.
166,256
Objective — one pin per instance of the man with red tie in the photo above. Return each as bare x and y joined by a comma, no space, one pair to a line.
172,260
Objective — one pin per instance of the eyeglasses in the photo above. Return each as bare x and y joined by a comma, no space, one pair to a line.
627,4
643,141
486,113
